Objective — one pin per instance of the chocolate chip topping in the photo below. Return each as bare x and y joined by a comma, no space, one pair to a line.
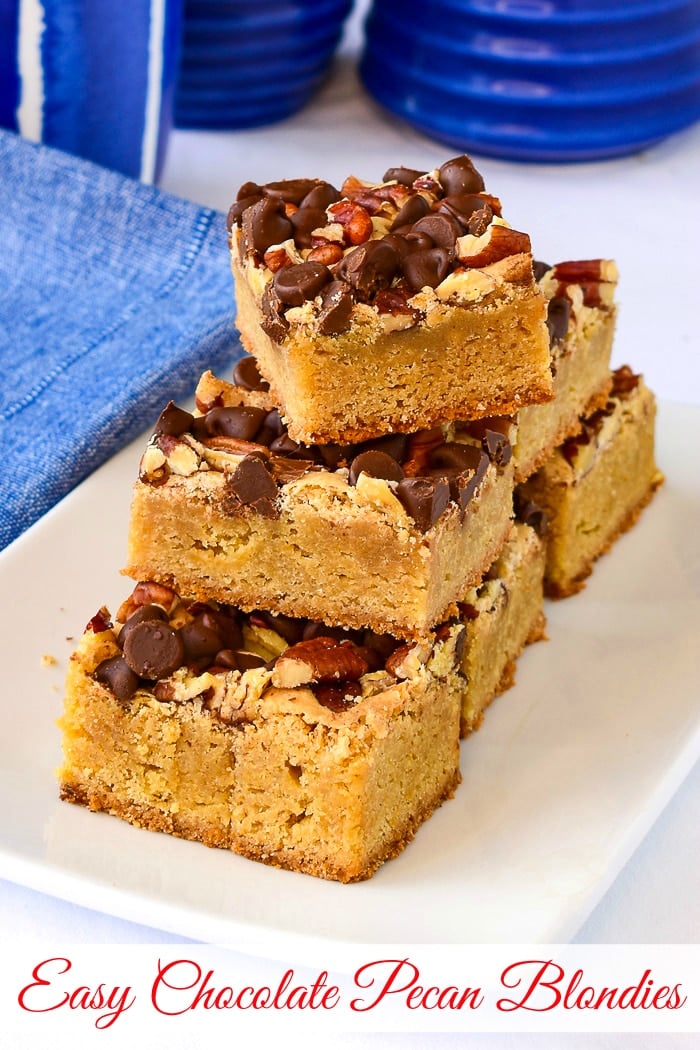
201,637
173,420
460,176
321,196
369,267
292,191
273,322
295,284
443,230
530,513
540,269
472,213
414,209
426,268
424,499
240,421
377,465
254,486
558,314
336,308
497,447
154,649
265,223
287,627
305,221
247,376
145,612
454,455
116,674
404,176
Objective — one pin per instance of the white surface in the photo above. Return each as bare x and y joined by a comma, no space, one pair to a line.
559,785
645,212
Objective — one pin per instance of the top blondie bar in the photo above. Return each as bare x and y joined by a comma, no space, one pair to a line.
388,307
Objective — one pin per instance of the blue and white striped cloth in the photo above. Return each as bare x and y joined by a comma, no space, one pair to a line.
114,297
94,77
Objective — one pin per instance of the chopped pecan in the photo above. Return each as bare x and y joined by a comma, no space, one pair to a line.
320,659
497,243
355,220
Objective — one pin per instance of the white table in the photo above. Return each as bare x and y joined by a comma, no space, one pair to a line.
644,211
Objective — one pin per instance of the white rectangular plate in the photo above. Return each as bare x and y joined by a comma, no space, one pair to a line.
568,772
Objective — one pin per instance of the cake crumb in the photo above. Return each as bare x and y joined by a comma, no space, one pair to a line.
48,660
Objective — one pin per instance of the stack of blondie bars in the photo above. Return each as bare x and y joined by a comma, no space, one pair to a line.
342,552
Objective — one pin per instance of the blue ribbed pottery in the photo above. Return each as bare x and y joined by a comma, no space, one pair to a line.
537,80
246,64
93,77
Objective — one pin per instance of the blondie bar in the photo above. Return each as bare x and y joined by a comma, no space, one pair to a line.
581,320
389,534
282,740
388,307
502,615
594,486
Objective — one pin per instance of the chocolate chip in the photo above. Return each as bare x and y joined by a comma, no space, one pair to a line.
428,267
272,427
413,210
227,626
336,308
424,499
399,243
377,465
404,176
250,189
540,269
369,267
531,514
239,421
443,230
333,455
235,212
320,196
145,612
497,447
305,221
473,213
173,420
393,445
459,175
248,661
226,659
301,281
154,649
199,428
316,629
453,455
246,375
201,637
116,674
265,223
334,696
558,314
254,486
273,322
286,446
415,242
292,191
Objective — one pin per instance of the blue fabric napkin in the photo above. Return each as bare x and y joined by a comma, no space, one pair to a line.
114,297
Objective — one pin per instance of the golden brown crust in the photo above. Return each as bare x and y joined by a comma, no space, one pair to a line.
555,590
150,818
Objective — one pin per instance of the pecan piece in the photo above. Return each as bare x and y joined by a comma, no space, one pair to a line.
320,660
355,220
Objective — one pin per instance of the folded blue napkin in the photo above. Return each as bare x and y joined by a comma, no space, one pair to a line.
114,297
